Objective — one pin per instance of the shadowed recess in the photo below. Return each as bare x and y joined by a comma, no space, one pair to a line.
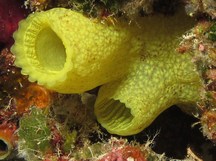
50,50
3,148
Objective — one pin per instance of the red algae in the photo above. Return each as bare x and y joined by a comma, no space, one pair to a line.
11,12
15,86
124,154
208,121
11,80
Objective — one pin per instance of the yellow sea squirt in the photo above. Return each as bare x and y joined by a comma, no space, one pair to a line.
69,53
142,72
159,78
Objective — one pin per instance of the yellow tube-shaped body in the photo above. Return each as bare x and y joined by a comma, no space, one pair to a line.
69,53
159,79
128,106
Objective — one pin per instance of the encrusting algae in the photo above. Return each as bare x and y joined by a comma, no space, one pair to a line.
69,53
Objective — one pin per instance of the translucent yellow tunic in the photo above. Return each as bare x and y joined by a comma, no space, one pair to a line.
69,53
144,75
160,78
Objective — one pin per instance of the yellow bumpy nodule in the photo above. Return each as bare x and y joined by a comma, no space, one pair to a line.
69,53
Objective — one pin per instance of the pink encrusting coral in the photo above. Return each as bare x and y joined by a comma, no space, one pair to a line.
11,12
125,154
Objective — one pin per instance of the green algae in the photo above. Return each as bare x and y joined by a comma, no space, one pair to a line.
34,134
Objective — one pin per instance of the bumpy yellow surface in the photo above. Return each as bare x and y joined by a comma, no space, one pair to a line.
69,53
159,79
